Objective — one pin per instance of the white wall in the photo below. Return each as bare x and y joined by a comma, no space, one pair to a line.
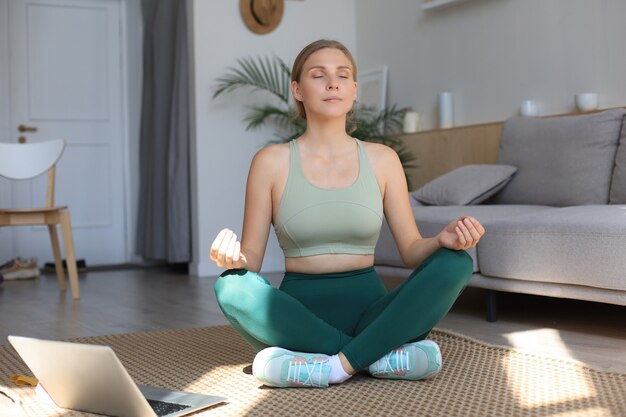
4,71
492,54
222,149
6,133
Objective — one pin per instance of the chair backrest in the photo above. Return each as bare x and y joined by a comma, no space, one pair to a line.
19,161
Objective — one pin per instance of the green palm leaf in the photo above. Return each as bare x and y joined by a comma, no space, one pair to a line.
260,74
258,115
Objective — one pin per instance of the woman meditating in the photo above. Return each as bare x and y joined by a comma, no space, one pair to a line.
326,194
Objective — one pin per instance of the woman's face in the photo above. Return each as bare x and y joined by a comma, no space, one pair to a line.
327,88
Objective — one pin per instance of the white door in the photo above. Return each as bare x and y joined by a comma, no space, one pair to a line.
65,73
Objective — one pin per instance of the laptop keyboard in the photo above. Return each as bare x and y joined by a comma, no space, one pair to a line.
162,408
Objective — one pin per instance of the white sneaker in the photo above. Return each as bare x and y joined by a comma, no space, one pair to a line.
20,268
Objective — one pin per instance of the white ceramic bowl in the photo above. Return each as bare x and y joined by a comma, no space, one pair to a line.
586,101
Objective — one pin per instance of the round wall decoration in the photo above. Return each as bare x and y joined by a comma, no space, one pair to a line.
262,16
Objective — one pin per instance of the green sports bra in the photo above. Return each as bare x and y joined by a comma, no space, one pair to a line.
314,221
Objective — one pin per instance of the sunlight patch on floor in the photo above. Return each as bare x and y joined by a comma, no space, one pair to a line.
546,384
539,340
221,382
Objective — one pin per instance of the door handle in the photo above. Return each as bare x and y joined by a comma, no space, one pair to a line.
24,128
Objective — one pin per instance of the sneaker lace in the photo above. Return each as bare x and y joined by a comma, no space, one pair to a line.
311,371
401,361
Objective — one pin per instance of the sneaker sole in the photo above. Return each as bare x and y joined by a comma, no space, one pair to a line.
21,274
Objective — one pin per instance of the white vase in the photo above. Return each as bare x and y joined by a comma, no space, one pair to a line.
529,108
446,110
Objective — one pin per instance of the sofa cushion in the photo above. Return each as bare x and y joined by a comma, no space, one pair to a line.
431,220
561,161
618,183
466,185
581,245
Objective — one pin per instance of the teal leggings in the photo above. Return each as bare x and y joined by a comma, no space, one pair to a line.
349,312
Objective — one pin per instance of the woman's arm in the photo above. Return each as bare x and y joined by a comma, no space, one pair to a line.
227,251
461,233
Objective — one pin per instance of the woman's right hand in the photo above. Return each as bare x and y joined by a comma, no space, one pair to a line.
226,251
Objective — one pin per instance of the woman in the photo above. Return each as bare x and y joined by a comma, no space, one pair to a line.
326,194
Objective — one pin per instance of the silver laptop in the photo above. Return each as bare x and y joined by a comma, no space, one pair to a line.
91,378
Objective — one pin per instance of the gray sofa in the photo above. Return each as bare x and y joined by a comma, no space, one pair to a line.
553,206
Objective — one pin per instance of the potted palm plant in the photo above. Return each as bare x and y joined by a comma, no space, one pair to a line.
272,75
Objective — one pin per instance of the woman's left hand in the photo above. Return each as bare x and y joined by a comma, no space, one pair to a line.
462,233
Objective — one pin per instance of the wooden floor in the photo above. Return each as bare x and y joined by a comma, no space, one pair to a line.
159,298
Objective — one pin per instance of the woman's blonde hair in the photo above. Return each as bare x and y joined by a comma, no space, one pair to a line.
310,49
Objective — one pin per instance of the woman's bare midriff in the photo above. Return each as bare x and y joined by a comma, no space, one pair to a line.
323,264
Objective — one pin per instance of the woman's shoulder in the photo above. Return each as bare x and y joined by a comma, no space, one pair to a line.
272,154
379,153
271,162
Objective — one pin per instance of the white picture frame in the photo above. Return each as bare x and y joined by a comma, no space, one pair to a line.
372,88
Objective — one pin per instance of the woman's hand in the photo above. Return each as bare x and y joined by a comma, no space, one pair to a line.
226,251
462,233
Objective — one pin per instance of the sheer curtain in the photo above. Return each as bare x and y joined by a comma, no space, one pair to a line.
164,198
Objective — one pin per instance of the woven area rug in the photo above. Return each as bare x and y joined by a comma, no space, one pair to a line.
477,380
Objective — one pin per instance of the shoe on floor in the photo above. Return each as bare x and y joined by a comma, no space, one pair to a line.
19,268
283,368
417,360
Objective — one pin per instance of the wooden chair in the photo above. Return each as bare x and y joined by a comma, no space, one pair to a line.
29,160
